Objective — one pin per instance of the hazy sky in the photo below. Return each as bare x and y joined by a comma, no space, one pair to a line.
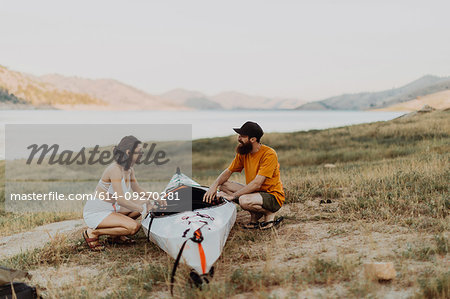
303,49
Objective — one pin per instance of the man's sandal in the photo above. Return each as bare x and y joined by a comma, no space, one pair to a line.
251,225
269,224
119,241
90,241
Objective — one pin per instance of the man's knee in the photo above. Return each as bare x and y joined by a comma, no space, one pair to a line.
244,201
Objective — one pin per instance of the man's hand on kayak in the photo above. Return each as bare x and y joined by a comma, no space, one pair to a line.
210,195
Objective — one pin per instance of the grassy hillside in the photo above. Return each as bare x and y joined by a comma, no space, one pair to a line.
390,202
40,95
391,170
395,171
37,93
437,100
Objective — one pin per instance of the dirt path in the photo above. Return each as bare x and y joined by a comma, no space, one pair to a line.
35,238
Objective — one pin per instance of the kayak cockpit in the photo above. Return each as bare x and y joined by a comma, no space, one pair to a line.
184,193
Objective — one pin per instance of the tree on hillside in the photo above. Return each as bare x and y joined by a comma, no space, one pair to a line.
6,97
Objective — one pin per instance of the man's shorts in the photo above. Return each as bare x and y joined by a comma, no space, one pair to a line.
270,203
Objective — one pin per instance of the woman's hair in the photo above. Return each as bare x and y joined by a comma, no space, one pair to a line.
120,151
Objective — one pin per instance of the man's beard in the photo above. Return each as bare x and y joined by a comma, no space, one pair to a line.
244,148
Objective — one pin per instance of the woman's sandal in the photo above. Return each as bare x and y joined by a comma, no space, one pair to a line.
269,224
119,241
251,225
90,241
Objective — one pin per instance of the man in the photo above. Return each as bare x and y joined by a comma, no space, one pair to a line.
263,193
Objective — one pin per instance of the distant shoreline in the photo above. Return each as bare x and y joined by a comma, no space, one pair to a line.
283,122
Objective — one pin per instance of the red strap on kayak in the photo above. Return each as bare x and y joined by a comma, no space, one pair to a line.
198,238
202,257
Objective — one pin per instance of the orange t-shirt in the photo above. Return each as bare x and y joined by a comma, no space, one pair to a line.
264,162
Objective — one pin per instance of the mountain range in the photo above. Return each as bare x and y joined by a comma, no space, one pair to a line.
375,100
24,91
228,100
64,92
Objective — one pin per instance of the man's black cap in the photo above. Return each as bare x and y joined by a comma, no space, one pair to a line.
250,129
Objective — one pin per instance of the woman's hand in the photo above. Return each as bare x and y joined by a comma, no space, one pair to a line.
151,205
162,204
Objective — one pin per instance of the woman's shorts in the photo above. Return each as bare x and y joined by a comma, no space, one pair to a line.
96,210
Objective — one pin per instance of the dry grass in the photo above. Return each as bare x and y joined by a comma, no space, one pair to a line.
11,223
319,257
434,286
390,202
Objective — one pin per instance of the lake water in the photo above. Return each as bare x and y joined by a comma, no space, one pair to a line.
204,123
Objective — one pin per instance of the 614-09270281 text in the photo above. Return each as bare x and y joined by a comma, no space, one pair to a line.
50,196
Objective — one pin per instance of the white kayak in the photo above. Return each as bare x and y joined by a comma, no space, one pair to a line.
195,237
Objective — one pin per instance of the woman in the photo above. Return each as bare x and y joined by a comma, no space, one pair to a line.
110,213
